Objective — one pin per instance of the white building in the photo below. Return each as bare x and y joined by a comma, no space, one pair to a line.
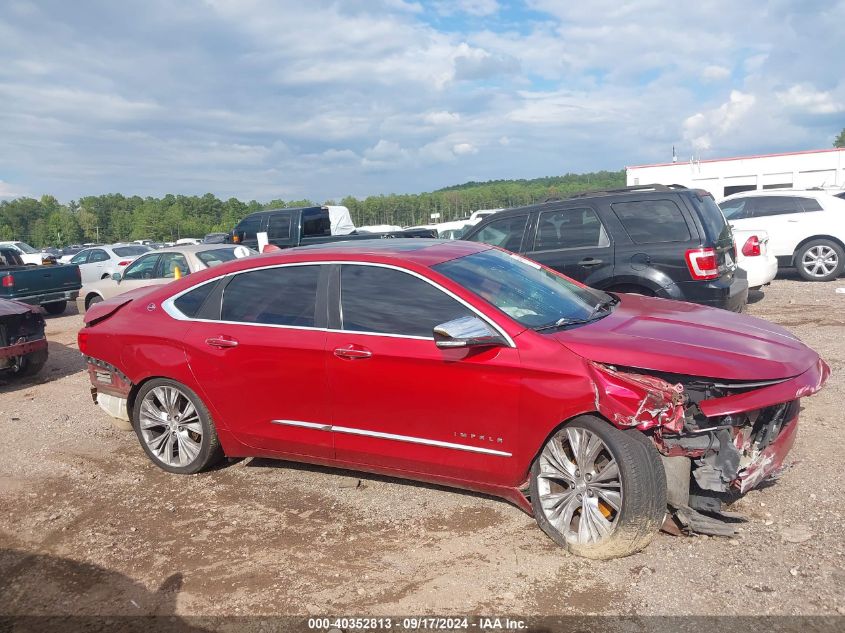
724,176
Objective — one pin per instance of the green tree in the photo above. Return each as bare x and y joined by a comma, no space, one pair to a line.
840,140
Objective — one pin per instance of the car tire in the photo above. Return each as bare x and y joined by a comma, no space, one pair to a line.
186,441
619,524
30,364
820,260
56,307
92,300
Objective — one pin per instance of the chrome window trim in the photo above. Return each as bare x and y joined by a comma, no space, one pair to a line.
391,436
168,304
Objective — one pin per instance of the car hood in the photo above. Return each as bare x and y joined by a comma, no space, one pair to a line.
684,338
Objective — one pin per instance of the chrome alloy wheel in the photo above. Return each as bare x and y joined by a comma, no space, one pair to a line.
170,426
820,261
580,486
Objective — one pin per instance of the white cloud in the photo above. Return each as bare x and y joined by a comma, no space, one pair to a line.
441,117
712,72
462,149
806,98
703,128
479,8
7,191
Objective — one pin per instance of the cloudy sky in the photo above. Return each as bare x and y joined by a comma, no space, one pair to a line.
270,98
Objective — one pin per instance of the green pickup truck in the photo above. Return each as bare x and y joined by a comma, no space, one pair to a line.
48,286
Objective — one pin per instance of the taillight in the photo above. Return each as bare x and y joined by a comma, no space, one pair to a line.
751,248
78,274
124,263
82,342
9,281
702,263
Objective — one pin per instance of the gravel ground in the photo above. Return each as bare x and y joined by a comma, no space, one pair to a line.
89,526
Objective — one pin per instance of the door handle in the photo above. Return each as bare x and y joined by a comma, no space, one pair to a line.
590,261
352,353
221,342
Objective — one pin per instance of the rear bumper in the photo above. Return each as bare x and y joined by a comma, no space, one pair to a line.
50,297
760,270
729,295
21,349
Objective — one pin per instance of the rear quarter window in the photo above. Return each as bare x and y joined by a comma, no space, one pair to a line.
190,303
652,221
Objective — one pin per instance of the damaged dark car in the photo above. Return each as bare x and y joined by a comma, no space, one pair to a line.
23,346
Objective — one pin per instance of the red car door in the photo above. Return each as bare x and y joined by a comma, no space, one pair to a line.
400,402
262,365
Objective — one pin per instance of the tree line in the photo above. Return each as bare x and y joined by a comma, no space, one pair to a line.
114,217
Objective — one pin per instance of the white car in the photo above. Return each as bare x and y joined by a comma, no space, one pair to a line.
160,267
100,262
755,258
28,254
806,227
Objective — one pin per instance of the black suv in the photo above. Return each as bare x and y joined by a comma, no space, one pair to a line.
657,240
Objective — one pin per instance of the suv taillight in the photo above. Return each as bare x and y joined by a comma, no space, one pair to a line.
125,262
702,263
751,248
9,281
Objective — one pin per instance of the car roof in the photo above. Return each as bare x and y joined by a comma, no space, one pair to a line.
192,248
425,251
803,193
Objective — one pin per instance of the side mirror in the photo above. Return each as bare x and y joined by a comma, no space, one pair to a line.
116,277
468,331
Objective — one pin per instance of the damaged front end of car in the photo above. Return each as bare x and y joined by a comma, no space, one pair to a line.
718,438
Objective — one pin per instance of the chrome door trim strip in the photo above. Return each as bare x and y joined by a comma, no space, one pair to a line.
391,436
307,425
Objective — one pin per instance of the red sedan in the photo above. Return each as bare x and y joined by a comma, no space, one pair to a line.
460,364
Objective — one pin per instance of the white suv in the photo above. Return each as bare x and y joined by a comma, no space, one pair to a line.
806,227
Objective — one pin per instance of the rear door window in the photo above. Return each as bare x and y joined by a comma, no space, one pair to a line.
504,232
810,204
652,221
279,226
389,301
764,206
569,228
168,264
273,296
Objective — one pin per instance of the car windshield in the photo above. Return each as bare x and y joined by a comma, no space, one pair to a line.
528,293
131,251
26,248
215,256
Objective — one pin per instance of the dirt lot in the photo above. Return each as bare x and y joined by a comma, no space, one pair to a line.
89,526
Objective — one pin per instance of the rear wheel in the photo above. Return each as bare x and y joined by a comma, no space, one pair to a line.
56,307
29,364
820,260
598,491
175,428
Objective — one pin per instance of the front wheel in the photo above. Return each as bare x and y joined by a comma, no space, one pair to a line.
598,491
820,260
175,428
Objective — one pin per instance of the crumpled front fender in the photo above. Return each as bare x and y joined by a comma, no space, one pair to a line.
636,400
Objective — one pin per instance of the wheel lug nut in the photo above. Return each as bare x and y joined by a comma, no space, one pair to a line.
588,476
577,473
589,493
579,497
